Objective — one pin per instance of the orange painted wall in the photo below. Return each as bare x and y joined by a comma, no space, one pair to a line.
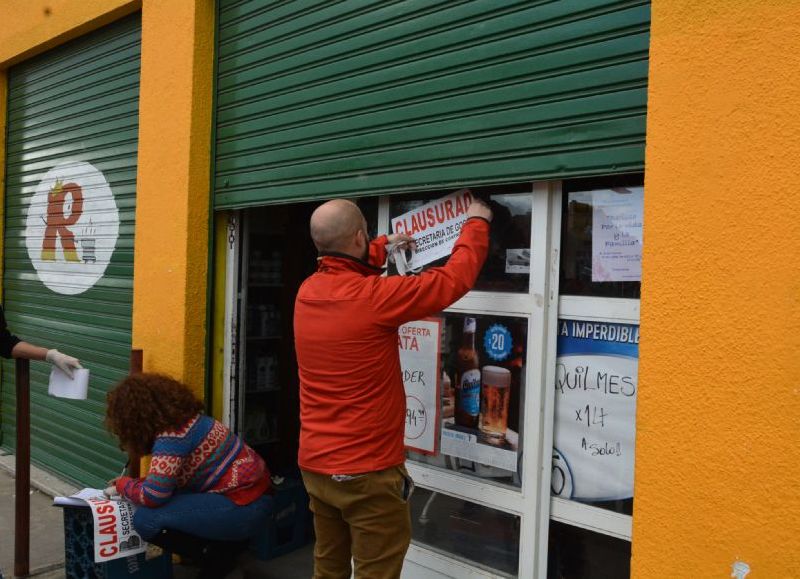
171,245
171,255
33,26
718,447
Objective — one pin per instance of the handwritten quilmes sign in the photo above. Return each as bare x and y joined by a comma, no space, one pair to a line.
420,344
617,219
595,422
435,226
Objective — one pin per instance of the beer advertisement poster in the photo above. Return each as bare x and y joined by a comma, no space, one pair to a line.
420,345
484,372
595,418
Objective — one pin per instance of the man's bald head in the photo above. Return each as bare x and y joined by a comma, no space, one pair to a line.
334,225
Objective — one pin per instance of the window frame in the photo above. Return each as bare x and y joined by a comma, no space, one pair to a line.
539,306
591,518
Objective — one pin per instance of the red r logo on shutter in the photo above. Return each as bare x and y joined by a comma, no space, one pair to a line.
58,224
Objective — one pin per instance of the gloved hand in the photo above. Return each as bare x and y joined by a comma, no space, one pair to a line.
397,254
63,362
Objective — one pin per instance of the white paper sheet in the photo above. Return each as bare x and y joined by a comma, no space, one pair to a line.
63,386
79,498
617,232
420,344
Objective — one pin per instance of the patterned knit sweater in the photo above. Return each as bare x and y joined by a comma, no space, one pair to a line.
201,457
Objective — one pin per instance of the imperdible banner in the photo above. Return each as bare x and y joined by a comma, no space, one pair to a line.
114,536
595,421
420,345
434,226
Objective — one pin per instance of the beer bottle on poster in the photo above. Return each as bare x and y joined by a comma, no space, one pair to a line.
468,380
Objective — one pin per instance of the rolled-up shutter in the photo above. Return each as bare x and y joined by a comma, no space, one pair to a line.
320,99
71,178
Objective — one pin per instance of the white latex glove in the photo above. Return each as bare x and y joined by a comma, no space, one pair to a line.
63,362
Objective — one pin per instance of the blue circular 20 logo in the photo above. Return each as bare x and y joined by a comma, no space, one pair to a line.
497,342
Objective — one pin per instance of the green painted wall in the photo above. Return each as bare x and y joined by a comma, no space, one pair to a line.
319,99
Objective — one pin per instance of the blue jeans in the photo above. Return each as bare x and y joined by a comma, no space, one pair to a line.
207,515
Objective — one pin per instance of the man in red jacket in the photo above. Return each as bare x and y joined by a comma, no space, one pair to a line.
352,400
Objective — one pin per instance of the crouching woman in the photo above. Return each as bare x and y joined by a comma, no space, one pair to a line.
204,496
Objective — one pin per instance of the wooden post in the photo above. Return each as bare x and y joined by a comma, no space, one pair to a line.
22,522
137,363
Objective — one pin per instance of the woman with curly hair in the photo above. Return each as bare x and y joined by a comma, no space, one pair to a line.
204,496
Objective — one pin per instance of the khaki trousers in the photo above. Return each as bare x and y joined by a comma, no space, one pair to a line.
366,518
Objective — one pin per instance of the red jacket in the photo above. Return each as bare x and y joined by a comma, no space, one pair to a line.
352,400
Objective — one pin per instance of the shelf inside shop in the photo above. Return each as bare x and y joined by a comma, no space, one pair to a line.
263,442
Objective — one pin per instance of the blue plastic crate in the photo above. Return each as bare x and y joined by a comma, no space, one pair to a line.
289,525
79,554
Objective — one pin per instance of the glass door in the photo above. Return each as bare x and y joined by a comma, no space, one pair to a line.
595,384
478,501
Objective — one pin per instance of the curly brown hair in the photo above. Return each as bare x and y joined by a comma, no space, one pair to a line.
144,405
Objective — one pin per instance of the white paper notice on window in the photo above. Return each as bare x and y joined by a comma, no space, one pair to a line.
594,434
434,226
420,344
617,226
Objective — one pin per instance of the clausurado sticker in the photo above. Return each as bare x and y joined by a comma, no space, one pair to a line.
434,226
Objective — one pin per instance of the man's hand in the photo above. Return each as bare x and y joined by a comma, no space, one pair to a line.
401,239
63,362
479,209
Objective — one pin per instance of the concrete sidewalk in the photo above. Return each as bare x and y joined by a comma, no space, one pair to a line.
47,523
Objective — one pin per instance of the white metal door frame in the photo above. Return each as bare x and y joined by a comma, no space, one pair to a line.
540,305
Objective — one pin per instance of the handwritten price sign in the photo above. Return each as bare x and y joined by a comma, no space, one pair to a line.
419,344
595,422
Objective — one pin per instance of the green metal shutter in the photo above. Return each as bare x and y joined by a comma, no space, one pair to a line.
71,108
320,99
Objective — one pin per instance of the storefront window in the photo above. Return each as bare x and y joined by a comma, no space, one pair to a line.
369,207
507,267
596,376
575,553
479,535
601,245
482,384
